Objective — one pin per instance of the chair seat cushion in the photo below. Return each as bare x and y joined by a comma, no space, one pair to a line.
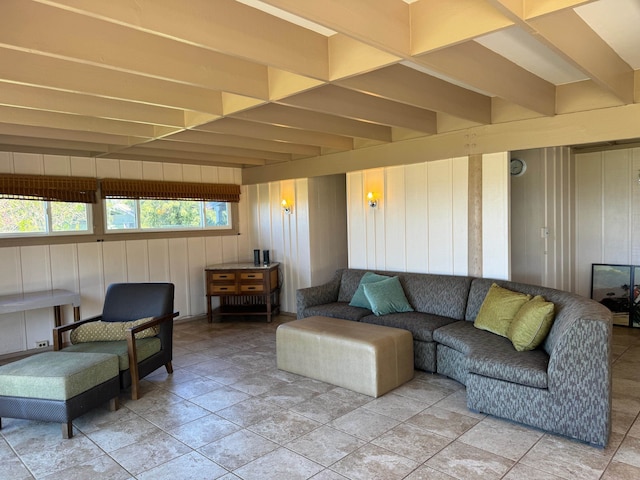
145,347
56,375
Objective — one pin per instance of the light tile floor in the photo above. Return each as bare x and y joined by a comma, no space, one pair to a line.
227,412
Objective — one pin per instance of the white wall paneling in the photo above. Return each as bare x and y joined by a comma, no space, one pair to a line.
607,212
542,200
420,224
310,244
90,267
495,216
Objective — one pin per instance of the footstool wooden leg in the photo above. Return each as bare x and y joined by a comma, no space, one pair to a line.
67,430
114,404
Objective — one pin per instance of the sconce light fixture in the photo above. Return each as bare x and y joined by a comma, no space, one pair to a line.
639,177
287,207
372,200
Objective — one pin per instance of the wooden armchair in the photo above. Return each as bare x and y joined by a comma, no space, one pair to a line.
123,303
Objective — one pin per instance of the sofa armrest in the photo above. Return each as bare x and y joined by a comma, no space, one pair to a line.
318,295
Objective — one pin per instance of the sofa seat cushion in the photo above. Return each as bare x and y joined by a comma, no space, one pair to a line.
421,325
493,356
337,310
145,348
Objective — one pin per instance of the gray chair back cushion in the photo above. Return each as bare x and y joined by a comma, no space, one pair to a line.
124,302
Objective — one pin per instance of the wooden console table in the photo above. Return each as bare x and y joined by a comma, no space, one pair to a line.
244,289
48,298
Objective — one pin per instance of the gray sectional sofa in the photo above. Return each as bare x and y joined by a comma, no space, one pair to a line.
563,387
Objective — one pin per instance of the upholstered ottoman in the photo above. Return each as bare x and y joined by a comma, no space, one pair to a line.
58,386
365,358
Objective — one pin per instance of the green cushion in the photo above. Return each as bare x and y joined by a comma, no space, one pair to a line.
359,299
145,347
498,309
109,331
56,375
387,296
531,324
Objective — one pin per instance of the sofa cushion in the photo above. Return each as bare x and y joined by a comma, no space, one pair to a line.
349,283
337,310
494,356
421,325
531,324
359,299
387,297
499,308
443,295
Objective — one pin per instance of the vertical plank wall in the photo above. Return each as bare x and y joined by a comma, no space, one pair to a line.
607,211
90,267
544,198
311,242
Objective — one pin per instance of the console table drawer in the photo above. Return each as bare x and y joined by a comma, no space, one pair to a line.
252,276
215,289
223,276
259,288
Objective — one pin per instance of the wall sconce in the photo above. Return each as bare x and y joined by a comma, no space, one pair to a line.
287,207
639,177
372,200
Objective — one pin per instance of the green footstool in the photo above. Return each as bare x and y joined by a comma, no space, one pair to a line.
58,386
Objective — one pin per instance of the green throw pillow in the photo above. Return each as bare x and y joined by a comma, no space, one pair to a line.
359,299
110,331
531,324
387,296
498,309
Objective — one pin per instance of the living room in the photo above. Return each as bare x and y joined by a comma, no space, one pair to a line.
445,201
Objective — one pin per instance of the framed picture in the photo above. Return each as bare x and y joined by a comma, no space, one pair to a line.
615,287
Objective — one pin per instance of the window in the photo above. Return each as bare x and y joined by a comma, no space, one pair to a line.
148,215
149,205
37,205
41,217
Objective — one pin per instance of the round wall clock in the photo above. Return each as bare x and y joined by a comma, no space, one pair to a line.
517,167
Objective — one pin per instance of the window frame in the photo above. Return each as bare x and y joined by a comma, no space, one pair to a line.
48,217
140,230
99,234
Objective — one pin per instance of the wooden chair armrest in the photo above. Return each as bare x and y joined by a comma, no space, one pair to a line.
151,323
133,354
58,331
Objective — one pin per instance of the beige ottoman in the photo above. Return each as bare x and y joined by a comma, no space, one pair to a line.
369,359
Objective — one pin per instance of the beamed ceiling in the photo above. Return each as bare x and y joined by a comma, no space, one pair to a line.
251,83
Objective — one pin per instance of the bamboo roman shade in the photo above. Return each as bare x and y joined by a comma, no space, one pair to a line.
157,190
43,187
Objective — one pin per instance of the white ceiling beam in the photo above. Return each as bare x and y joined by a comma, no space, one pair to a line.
566,33
235,126
177,146
32,69
43,28
52,133
37,98
149,151
209,138
436,24
210,160
407,85
221,26
317,122
339,101
475,65
383,24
